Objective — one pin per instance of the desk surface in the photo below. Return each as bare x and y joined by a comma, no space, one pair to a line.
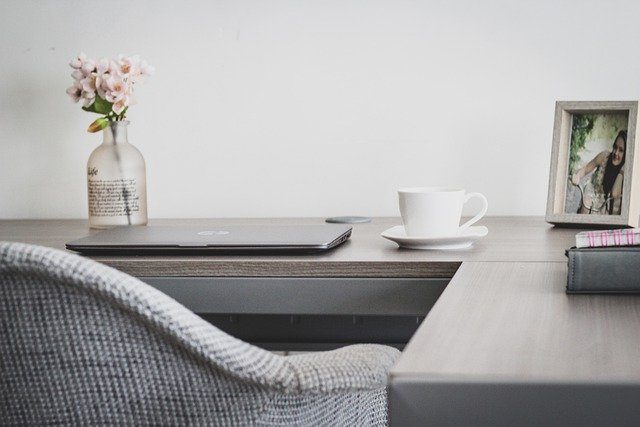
504,345
366,254
513,322
503,334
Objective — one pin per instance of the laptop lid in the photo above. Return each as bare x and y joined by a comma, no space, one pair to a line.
231,238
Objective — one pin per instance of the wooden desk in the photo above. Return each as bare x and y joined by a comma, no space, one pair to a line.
503,343
366,254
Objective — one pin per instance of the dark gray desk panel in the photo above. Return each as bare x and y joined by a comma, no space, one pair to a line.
328,296
313,332
414,402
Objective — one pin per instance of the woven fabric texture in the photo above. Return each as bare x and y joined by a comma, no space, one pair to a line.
82,343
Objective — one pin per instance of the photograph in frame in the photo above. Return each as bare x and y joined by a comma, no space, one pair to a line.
596,163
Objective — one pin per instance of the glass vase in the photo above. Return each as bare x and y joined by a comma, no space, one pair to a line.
116,181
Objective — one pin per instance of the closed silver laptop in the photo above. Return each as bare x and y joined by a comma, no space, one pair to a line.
218,239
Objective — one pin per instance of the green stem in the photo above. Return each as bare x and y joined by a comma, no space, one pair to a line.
123,114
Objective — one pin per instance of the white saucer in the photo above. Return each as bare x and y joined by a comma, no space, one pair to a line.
463,240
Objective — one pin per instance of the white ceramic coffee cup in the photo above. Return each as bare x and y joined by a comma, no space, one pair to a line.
436,211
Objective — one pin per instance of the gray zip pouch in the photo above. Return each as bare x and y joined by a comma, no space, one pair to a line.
604,270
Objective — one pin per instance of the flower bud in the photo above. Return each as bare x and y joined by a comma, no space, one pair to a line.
98,124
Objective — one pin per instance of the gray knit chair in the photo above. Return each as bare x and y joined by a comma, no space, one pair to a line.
82,343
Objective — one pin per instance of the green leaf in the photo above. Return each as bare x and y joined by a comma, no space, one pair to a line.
100,106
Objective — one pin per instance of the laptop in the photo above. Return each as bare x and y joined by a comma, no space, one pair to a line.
160,240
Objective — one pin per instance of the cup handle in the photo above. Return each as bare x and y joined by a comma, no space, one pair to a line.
480,214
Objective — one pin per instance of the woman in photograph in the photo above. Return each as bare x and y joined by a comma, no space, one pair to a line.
608,179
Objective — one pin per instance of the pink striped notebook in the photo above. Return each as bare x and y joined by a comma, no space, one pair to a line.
595,239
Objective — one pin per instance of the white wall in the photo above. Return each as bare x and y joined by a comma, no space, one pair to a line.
308,108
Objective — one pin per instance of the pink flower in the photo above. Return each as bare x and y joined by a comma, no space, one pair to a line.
102,70
88,97
128,65
86,102
75,91
78,61
103,66
146,69
88,66
112,80
119,106
102,92
116,89
89,83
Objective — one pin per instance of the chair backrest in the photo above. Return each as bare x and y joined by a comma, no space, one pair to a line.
83,343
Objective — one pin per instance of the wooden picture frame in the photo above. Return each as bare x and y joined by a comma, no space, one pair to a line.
560,182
